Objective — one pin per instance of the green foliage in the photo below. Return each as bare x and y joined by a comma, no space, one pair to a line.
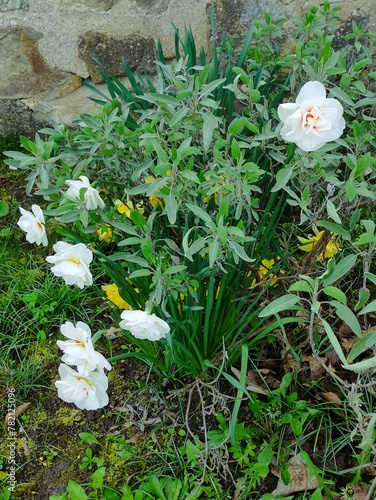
4,208
204,204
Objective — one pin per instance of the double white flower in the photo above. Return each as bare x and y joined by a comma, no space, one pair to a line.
92,200
72,263
32,223
312,120
79,349
87,392
85,387
143,325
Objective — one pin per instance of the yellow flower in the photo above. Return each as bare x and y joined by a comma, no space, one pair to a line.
125,208
105,235
265,267
112,292
153,199
309,244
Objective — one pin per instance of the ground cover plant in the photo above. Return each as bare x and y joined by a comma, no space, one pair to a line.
192,314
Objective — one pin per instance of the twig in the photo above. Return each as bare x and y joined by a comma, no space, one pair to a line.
358,467
373,486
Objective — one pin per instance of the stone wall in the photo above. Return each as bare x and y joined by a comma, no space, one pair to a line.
47,46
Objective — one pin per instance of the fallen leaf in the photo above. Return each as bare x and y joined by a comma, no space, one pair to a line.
331,397
253,380
25,447
299,479
344,330
349,344
19,410
112,333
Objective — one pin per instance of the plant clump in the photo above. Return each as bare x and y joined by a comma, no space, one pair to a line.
223,219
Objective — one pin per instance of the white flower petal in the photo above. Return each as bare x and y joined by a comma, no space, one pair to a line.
72,263
143,325
313,120
286,110
87,392
32,223
311,92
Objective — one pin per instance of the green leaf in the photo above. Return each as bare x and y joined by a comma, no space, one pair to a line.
282,177
171,208
179,116
332,212
364,294
300,286
371,307
366,342
147,249
4,208
346,315
239,251
350,189
296,426
336,293
214,251
175,269
97,478
369,225
75,491
194,248
140,273
208,126
204,216
371,277
334,341
154,486
237,125
86,437
365,239
316,495
281,304
334,228
209,87
361,366
342,267
340,94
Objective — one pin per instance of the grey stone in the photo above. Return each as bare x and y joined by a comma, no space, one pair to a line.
153,6
17,119
91,4
27,71
6,5
138,51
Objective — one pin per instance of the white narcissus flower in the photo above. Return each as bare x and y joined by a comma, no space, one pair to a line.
32,223
312,120
92,199
79,350
87,392
143,325
72,263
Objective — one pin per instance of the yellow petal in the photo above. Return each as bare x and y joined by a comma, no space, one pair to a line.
112,292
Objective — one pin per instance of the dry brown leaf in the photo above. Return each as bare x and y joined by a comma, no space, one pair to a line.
344,330
253,385
25,448
18,411
299,479
331,397
112,333
349,344
315,366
